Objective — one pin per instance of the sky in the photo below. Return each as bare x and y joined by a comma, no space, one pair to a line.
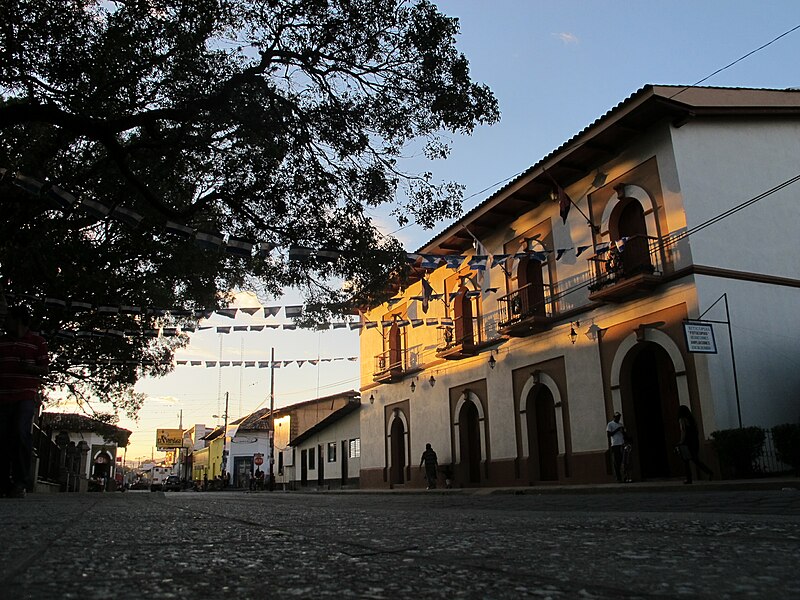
555,67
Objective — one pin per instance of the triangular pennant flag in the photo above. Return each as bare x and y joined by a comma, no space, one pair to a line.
454,261
271,311
328,255
431,321
223,329
560,253
197,363
499,260
209,241
240,328
356,325
251,310
478,262
227,312
312,362
29,184
204,327
299,253
211,363
276,364
224,363
293,311
473,293
416,322
601,248
236,363
180,363
256,327
239,246
386,322
427,292
286,363
403,323
490,290
263,249
430,261
370,324
273,326
188,328
62,199
580,250
352,358
180,230
263,364
289,326
300,363
393,301
412,258
339,325
249,363
94,208
446,321
54,302
127,216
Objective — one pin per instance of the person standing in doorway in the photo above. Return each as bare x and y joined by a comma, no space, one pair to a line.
689,445
431,463
23,362
616,439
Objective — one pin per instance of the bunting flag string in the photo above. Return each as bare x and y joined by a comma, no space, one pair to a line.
261,364
237,246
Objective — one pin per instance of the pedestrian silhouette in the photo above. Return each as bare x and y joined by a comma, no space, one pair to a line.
689,445
431,463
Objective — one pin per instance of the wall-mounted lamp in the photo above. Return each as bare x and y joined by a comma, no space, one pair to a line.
413,386
492,361
372,398
573,335
554,196
432,381
535,376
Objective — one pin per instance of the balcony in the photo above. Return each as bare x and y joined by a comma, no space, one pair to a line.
526,311
462,339
636,270
390,365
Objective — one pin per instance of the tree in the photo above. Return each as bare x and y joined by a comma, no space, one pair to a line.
274,121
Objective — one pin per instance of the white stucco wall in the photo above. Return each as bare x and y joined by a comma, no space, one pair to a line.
345,429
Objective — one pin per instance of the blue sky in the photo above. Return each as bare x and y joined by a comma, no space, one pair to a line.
555,67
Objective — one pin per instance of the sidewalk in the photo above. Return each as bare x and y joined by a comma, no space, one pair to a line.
668,486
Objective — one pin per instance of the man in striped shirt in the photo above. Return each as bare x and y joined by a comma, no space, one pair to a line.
23,362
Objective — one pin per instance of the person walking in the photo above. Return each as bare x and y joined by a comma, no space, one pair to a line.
689,445
616,440
431,463
23,362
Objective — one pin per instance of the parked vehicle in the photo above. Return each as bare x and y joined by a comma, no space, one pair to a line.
172,484
157,478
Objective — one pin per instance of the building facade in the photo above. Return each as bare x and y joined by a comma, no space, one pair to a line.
565,297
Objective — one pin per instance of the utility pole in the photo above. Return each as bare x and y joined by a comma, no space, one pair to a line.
224,445
271,484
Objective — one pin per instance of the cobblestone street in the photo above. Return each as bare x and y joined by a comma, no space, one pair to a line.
720,544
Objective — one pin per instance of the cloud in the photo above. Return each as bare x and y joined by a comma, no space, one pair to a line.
566,37
171,400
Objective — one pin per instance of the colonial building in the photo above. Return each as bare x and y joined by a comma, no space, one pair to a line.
564,297
329,452
102,440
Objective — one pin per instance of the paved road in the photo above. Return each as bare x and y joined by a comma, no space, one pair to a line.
708,544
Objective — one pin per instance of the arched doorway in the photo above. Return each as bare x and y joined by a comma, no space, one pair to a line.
469,436
101,468
397,434
631,224
542,434
650,410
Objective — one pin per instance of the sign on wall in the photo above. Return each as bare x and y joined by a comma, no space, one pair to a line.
699,337
169,438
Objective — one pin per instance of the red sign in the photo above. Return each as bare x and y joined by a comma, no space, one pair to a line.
258,459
